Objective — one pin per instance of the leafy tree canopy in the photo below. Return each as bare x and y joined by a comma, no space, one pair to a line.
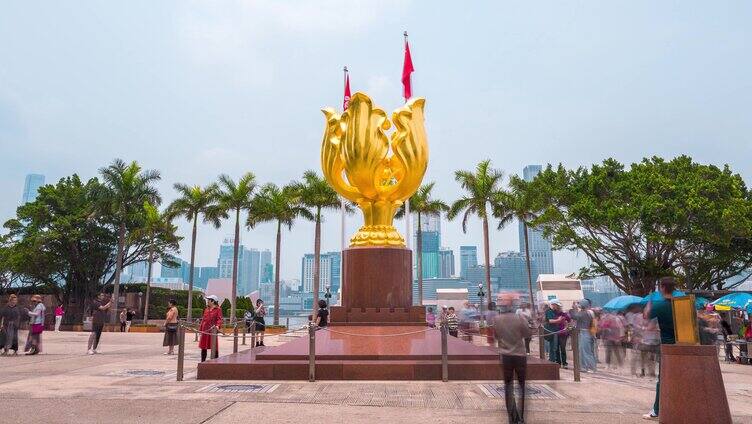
657,218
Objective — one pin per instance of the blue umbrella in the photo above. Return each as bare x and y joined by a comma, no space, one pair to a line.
621,302
701,302
736,301
655,296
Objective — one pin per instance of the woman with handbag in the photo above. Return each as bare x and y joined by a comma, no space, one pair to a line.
211,319
171,328
36,326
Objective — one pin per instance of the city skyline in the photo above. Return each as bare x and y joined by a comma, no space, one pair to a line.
197,86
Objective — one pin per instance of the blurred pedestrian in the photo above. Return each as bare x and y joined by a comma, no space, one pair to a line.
129,314
10,321
555,321
211,319
452,322
99,317
612,333
726,328
662,310
171,327
430,317
36,326
122,320
322,316
260,321
525,312
585,320
59,312
511,330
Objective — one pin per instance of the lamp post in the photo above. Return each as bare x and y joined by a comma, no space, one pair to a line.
481,294
327,295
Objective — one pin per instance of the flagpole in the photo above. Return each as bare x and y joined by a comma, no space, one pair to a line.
408,233
343,243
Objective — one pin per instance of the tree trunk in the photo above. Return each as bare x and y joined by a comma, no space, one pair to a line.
148,286
488,257
188,314
118,270
236,244
529,274
276,273
419,260
316,264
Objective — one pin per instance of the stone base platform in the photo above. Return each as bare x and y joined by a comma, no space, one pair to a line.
369,353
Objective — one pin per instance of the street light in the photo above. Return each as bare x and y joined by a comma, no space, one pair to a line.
481,294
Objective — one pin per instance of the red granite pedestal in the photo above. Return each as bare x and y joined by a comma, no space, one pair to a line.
369,353
377,334
692,389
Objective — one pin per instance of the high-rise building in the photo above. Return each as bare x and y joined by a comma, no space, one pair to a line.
31,187
446,262
430,229
265,266
512,271
248,266
468,259
182,271
329,272
538,246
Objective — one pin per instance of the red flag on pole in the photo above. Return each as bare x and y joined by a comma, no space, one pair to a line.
407,69
346,99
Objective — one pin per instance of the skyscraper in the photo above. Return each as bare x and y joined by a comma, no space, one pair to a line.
468,259
539,246
266,268
446,263
329,272
512,271
430,228
248,266
31,187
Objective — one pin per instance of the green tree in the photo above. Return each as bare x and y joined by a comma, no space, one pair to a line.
658,218
483,190
161,235
316,194
195,202
422,204
235,198
127,187
282,206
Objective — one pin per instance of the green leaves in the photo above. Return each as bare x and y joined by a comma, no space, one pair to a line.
656,218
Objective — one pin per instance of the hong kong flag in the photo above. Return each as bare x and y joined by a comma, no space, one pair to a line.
407,69
346,99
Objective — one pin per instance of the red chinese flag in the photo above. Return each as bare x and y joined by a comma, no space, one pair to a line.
346,99
407,69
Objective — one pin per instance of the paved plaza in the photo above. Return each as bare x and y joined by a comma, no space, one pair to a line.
132,382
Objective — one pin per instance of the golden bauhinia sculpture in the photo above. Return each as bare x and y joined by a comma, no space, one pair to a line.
376,172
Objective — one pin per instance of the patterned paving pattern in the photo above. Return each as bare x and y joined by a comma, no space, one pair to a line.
239,388
137,373
532,391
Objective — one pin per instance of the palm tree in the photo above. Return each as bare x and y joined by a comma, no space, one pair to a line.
158,229
421,203
283,206
512,205
316,194
483,191
127,187
236,197
195,202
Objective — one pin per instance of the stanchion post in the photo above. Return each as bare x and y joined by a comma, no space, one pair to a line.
311,352
244,331
235,339
253,334
181,352
541,342
195,333
214,342
444,353
575,335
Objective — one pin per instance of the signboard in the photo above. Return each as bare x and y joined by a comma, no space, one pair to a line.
685,320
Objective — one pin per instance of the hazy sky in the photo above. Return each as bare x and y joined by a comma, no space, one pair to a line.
199,88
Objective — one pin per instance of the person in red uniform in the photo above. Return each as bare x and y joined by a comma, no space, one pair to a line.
212,318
